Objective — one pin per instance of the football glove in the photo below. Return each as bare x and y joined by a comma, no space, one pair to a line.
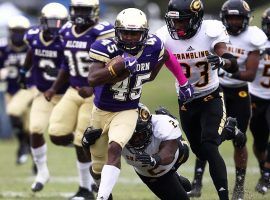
22,79
90,136
130,63
216,61
185,92
163,111
148,160
53,72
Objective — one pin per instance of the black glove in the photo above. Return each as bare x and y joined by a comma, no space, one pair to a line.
53,72
148,160
186,92
22,79
216,61
163,111
90,136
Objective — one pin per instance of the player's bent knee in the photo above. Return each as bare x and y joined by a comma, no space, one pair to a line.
62,140
97,164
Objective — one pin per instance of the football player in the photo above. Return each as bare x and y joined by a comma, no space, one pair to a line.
117,87
44,57
200,47
260,119
13,52
72,114
156,150
245,44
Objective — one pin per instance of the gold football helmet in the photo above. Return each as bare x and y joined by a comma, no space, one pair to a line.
53,16
84,12
17,27
131,30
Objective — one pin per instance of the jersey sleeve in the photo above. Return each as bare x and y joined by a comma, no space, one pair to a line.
258,38
165,127
104,30
217,31
99,51
30,34
158,45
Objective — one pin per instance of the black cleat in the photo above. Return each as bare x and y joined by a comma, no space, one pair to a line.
110,197
22,154
83,194
238,192
196,189
263,185
185,183
94,188
36,187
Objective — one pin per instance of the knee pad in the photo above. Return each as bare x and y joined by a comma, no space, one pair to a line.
90,136
62,140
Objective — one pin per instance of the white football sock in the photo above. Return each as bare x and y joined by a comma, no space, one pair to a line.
109,177
40,159
85,178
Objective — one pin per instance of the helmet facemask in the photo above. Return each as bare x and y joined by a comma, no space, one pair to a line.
143,132
51,26
235,28
130,40
131,30
235,15
84,15
16,36
183,26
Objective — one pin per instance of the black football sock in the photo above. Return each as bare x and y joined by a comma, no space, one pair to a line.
199,170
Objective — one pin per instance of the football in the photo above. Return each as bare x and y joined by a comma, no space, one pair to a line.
118,65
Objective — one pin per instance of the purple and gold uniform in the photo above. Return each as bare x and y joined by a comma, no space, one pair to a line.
12,58
72,114
115,110
45,55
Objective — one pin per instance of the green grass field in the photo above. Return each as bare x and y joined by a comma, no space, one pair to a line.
15,180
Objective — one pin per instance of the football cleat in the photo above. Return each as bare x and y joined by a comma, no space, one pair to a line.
196,189
41,178
22,154
83,194
94,188
263,185
238,192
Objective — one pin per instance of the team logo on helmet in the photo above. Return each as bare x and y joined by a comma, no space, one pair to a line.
243,94
246,6
144,114
196,5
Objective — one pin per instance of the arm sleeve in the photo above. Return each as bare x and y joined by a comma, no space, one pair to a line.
175,67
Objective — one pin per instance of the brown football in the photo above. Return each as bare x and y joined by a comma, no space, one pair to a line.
118,65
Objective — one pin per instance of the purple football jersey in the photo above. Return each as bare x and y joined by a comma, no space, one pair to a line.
125,94
46,55
77,50
12,58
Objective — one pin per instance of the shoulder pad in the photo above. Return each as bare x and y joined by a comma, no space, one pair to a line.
214,28
66,25
100,50
3,42
257,36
